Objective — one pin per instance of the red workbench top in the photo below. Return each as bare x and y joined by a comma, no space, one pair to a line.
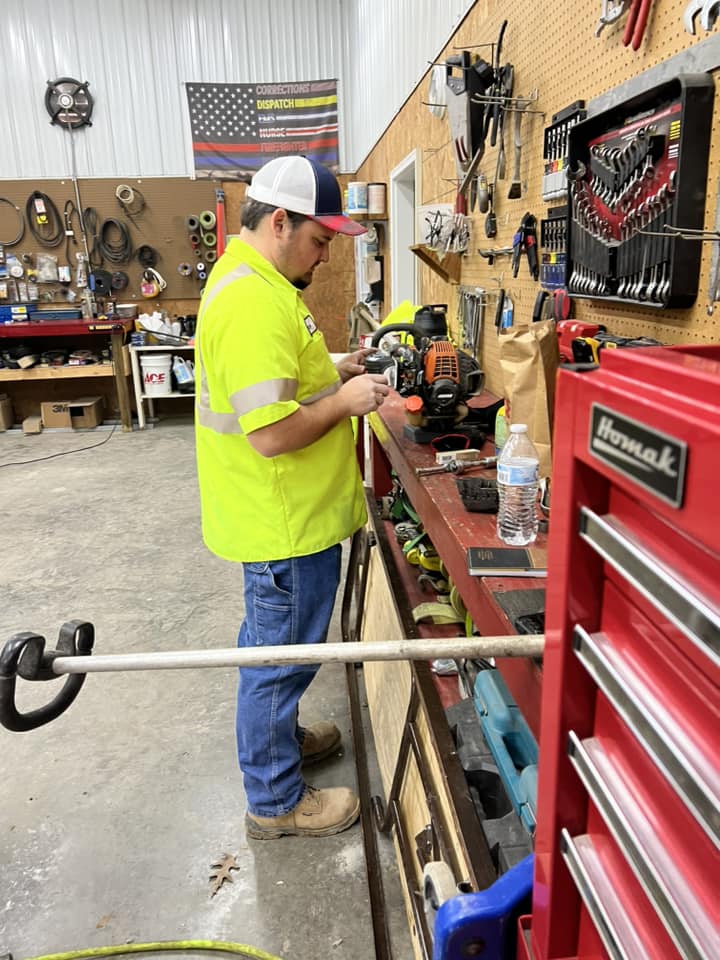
452,530
64,328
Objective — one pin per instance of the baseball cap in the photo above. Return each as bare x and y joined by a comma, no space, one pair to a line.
302,185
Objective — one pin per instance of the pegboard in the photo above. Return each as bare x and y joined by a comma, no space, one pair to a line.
558,58
160,224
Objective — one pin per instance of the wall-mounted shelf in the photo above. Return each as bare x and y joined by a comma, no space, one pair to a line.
449,266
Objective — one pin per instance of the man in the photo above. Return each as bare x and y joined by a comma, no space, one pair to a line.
280,487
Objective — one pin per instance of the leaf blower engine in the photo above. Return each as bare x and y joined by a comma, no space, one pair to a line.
436,378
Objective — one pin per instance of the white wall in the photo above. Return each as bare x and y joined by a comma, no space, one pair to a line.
136,54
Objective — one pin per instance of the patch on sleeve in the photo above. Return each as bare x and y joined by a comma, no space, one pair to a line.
310,324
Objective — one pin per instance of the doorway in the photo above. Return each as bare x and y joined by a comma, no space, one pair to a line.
404,188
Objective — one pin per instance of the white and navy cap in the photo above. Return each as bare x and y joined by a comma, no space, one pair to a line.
302,185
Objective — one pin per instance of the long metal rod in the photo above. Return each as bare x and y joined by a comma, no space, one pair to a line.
475,648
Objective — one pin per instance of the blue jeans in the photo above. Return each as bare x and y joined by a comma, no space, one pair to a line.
286,601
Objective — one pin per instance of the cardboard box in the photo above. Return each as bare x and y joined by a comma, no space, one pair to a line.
7,417
81,413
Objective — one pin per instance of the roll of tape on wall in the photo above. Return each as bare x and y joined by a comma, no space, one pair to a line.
185,269
194,239
192,223
209,239
207,219
211,256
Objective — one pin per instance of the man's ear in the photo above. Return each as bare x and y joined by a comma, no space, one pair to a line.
279,221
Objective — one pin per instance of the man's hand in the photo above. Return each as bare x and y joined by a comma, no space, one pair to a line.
365,393
359,395
353,364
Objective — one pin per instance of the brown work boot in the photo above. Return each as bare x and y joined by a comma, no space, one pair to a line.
320,813
321,740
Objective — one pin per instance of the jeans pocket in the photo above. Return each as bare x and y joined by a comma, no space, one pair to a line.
272,583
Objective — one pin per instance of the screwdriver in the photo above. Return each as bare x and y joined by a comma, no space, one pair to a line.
455,466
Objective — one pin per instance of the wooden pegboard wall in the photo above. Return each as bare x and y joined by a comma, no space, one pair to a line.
555,51
161,225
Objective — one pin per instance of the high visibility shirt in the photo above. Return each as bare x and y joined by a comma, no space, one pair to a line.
258,356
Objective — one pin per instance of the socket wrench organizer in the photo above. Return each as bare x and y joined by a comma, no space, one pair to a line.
553,244
637,176
556,140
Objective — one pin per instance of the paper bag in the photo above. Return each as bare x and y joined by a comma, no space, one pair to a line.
529,358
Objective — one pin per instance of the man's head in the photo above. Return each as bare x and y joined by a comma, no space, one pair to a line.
294,209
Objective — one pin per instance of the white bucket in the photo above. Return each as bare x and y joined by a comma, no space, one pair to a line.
376,199
156,373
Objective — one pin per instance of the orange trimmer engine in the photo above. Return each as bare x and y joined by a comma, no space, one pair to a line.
441,375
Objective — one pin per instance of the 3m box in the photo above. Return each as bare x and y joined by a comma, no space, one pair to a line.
81,413
6,412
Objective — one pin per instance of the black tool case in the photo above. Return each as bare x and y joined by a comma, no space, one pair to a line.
637,175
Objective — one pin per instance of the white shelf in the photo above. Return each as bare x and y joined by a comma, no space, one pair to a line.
141,398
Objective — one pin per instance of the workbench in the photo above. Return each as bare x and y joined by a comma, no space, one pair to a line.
427,803
79,333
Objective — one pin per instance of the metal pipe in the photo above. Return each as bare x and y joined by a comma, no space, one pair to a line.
475,648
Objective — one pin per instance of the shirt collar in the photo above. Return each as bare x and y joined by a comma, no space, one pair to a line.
243,252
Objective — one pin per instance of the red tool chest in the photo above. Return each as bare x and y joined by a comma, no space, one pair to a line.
627,861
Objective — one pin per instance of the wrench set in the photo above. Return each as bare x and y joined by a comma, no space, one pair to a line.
637,176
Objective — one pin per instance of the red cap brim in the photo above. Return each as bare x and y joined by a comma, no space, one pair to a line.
342,224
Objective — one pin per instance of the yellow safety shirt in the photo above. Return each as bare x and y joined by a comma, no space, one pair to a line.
258,356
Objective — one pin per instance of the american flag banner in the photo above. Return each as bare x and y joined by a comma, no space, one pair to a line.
237,127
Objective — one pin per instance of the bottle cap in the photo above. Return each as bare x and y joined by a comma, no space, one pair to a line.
518,428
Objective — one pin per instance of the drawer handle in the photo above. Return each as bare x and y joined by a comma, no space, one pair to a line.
691,613
630,697
584,867
665,887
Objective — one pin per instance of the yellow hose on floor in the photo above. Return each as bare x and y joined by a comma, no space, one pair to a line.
240,949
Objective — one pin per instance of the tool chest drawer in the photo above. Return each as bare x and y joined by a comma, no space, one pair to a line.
628,835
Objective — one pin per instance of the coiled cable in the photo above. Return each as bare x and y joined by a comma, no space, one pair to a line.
50,232
70,211
21,224
90,219
115,250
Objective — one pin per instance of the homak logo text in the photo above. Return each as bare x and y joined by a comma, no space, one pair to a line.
648,457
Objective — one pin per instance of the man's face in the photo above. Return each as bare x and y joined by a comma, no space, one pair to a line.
300,249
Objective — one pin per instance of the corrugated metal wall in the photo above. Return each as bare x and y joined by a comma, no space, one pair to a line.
136,54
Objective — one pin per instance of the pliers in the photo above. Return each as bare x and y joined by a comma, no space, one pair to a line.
525,241
636,21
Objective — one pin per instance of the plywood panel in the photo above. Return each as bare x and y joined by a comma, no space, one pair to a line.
388,686
554,52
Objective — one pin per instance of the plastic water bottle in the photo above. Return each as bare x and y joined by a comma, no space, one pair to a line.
517,481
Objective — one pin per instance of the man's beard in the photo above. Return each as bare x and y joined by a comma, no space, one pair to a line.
300,283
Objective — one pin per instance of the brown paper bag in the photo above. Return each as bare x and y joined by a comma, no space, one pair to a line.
529,358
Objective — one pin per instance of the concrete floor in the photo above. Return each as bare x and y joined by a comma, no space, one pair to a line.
112,815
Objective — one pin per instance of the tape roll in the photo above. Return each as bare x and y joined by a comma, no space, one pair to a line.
199,252
125,194
184,269
211,256
202,275
194,239
199,267
192,223
207,220
209,239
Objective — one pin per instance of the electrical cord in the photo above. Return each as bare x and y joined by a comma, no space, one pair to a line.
63,453
21,223
90,219
116,251
220,946
51,232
